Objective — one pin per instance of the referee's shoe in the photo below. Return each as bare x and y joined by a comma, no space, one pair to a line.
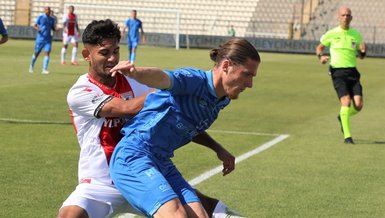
349,140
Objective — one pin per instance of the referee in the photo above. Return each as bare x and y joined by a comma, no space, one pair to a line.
344,43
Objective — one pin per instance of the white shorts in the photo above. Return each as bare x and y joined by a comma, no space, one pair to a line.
99,201
66,39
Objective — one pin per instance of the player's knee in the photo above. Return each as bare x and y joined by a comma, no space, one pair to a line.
345,100
359,106
195,210
171,208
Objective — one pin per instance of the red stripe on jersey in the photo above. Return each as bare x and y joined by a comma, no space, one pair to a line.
110,132
71,24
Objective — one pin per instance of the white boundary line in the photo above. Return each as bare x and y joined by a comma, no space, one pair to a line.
11,120
206,175
244,133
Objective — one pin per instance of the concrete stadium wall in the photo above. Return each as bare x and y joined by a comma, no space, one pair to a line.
199,41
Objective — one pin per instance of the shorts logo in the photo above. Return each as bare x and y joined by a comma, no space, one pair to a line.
150,173
164,187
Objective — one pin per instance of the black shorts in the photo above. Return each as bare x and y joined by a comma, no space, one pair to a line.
346,81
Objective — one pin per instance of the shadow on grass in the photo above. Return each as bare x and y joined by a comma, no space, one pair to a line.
367,141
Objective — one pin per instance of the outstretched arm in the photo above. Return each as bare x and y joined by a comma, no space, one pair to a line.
122,108
142,35
150,76
36,27
226,157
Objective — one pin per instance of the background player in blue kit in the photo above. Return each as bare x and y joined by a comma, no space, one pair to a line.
3,33
187,103
133,24
44,24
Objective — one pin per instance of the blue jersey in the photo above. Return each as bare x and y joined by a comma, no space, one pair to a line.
133,29
3,31
171,118
46,24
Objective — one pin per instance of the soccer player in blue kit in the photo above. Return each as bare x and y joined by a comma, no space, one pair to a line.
44,24
133,24
186,103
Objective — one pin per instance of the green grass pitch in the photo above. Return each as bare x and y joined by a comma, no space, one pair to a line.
310,174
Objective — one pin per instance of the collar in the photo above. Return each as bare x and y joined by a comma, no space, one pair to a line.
209,75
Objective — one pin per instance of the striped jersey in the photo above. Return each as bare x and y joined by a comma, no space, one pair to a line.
70,21
98,136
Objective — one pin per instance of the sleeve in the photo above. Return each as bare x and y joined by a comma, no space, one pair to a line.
37,20
65,18
359,40
138,88
186,81
87,100
325,39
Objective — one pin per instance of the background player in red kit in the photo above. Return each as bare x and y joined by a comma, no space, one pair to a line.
71,33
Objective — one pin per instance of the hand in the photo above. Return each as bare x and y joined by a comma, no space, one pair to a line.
123,67
362,52
324,59
363,47
228,161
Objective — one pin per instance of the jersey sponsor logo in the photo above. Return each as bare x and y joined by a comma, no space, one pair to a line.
114,122
190,131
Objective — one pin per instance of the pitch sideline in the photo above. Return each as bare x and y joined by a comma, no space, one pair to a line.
206,175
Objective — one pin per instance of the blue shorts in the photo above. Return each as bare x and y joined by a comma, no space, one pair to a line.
132,43
40,44
145,181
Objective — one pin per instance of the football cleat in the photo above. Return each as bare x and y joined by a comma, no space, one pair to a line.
349,140
229,213
30,69
45,72
74,63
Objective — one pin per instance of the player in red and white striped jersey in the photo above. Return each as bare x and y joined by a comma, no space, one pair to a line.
71,33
